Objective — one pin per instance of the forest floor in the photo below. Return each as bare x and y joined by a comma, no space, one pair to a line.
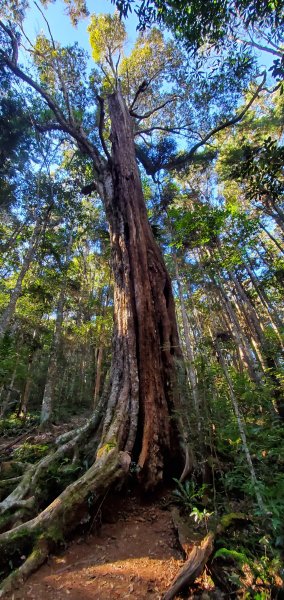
136,556
130,550
133,554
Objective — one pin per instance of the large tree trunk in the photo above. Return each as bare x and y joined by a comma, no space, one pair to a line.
134,421
143,391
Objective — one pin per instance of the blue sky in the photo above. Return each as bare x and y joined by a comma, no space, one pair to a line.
62,29
65,33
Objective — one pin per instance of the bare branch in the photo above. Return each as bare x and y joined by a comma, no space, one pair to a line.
77,133
117,63
181,160
151,112
254,44
47,24
142,88
174,130
43,128
15,47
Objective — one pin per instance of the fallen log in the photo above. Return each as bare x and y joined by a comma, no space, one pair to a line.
13,442
199,554
193,567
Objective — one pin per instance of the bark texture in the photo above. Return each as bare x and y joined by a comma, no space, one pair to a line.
133,420
146,343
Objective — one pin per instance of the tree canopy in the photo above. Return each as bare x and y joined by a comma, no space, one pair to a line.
142,228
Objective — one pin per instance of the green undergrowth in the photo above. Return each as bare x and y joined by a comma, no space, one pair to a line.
13,425
56,478
248,557
246,563
31,453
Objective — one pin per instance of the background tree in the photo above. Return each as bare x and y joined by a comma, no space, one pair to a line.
133,418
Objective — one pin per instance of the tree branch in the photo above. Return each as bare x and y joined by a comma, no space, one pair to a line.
142,88
151,112
14,41
76,133
183,159
174,130
61,79
43,128
262,48
143,158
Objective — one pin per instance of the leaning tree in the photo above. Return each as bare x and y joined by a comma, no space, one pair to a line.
137,423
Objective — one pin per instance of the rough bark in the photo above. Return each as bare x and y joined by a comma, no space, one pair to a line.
61,517
133,419
143,392
100,352
193,567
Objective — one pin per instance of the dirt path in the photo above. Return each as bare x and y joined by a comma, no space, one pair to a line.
135,557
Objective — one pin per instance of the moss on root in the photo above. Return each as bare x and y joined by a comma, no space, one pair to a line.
47,530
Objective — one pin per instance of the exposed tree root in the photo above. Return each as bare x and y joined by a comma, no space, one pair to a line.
24,494
37,557
6,483
61,517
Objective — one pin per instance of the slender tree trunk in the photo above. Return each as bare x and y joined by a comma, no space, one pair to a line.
190,357
26,394
241,426
52,372
280,217
267,361
10,243
6,406
276,322
10,308
273,238
11,384
99,362
254,331
243,347
239,335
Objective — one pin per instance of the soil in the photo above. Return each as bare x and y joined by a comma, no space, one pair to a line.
130,549
134,557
